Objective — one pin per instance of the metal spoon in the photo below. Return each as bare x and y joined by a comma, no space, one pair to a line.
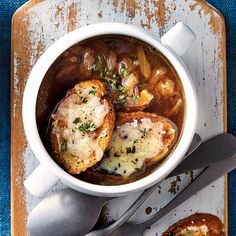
219,154
68,212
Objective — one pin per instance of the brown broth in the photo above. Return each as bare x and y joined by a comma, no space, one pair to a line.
66,72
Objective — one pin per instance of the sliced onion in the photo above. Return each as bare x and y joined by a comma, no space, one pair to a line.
157,73
111,60
129,83
143,62
87,62
175,109
166,87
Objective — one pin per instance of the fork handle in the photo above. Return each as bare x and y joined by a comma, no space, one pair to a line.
207,176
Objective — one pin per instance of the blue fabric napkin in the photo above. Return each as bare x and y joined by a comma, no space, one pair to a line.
228,9
7,8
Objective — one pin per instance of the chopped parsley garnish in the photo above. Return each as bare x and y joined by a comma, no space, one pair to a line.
116,154
121,99
83,99
112,84
104,72
111,79
87,127
135,141
93,92
144,132
130,150
124,71
63,146
190,231
135,98
76,120
98,65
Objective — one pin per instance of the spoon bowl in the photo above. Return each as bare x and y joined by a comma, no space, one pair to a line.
66,212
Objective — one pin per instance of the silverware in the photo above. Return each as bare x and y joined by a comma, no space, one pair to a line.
68,212
220,150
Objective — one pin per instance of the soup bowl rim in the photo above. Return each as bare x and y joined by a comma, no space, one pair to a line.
31,93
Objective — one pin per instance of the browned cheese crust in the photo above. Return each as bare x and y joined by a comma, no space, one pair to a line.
169,139
212,222
70,162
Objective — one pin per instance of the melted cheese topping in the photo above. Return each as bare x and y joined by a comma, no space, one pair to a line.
131,144
81,114
194,231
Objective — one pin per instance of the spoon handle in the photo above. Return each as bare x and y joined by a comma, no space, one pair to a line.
207,176
146,193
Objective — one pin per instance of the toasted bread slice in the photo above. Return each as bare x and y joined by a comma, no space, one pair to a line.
82,126
199,224
140,139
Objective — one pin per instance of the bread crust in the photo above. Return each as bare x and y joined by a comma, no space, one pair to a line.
123,118
70,162
103,177
213,223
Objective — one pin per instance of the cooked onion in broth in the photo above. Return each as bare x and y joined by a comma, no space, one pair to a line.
139,80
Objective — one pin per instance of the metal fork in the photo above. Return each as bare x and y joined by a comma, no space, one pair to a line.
207,176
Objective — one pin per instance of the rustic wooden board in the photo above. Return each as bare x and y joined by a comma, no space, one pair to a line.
38,23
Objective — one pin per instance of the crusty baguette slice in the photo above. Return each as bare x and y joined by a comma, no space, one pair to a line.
198,224
139,140
82,126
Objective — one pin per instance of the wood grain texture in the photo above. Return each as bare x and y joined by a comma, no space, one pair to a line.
37,24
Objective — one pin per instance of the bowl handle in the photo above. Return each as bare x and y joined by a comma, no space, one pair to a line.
40,181
179,38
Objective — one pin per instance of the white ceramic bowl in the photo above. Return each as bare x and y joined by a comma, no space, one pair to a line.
174,42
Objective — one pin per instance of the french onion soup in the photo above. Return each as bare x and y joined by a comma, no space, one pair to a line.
110,109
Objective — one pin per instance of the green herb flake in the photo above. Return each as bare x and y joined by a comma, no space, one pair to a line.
76,120
135,141
93,92
121,89
143,132
124,71
84,100
190,231
87,127
63,146
135,98
130,150
121,99
98,65
116,154
99,59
